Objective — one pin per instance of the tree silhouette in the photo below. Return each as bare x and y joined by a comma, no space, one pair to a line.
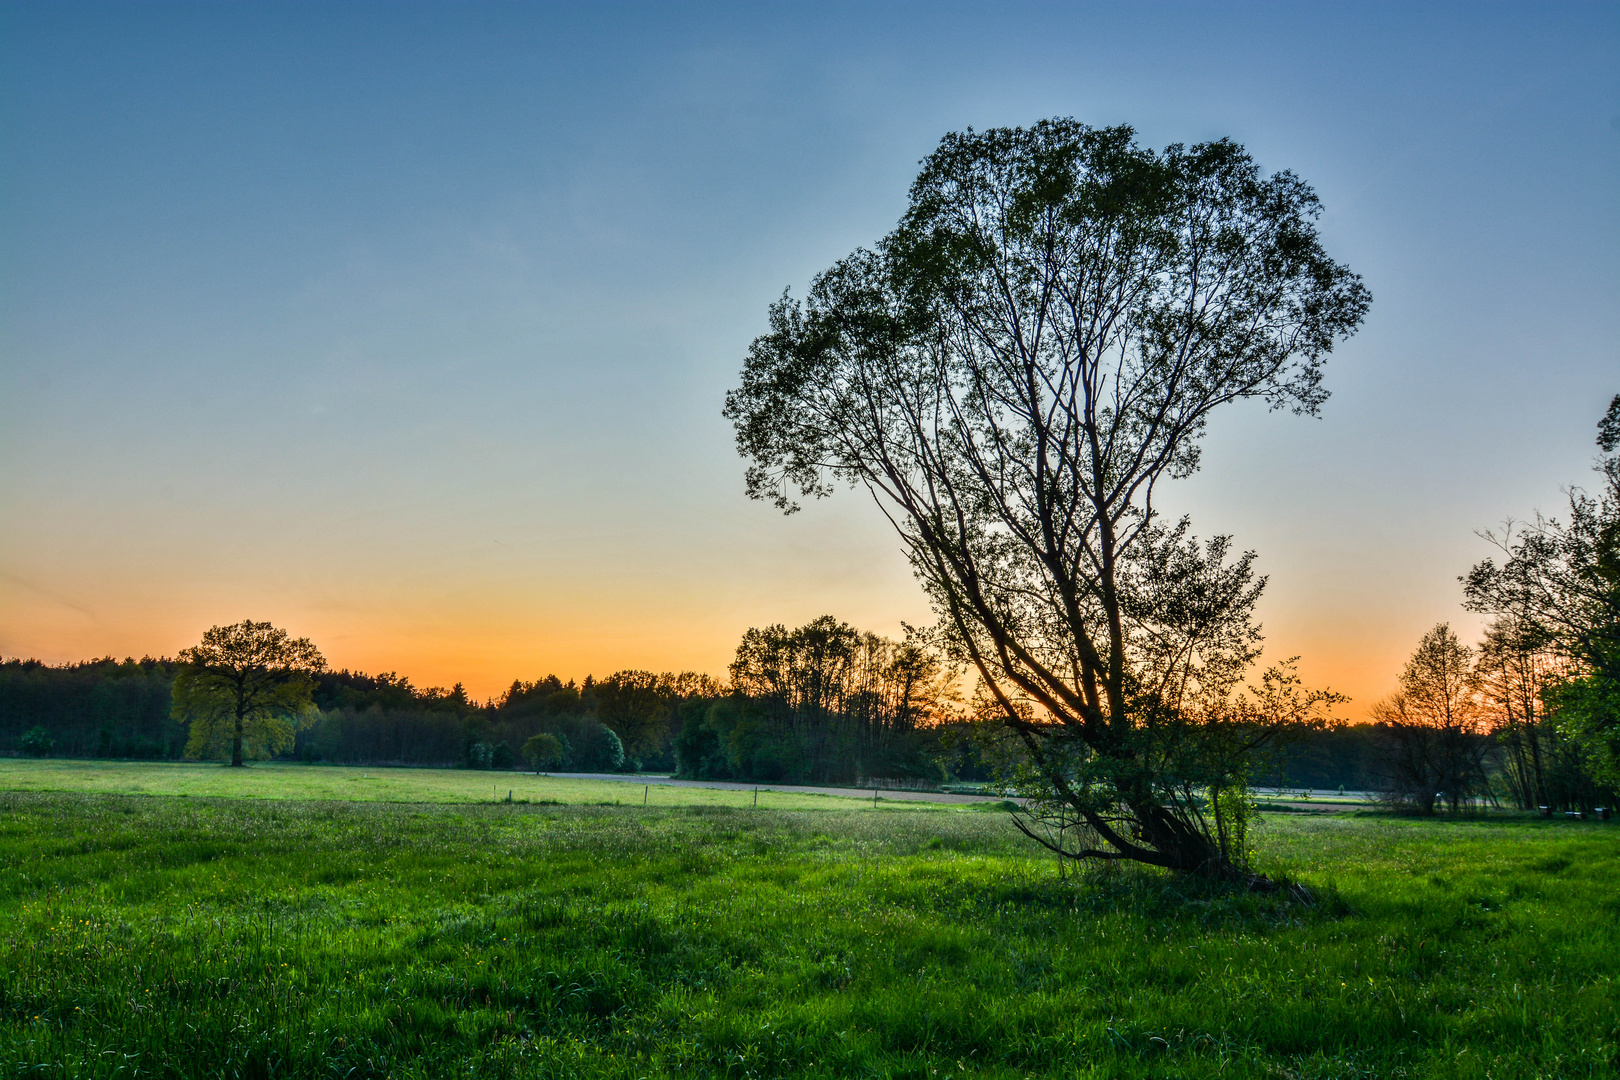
1561,580
1433,737
1011,373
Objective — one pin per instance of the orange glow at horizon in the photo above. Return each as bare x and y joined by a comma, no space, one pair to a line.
486,646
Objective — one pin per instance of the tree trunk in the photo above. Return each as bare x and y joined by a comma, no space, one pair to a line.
1535,761
236,743
1183,849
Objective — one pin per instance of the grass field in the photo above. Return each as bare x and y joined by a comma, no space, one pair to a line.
161,936
276,780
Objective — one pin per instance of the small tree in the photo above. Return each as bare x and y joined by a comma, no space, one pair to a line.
1433,742
244,690
545,751
36,742
605,751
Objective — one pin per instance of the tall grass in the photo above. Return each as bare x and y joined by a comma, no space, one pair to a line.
187,937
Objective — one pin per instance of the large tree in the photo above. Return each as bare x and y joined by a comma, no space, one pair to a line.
633,705
1011,373
244,689
1560,580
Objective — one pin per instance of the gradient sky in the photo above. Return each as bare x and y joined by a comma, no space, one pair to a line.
407,327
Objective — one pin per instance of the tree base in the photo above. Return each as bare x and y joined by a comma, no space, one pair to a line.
1260,883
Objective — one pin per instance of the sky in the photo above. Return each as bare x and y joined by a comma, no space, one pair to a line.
407,327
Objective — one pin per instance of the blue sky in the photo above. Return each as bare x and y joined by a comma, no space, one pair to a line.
406,326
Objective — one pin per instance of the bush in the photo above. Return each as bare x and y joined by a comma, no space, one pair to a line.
546,751
600,750
503,756
699,754
36,742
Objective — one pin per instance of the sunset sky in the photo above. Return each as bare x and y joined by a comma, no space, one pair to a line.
406,327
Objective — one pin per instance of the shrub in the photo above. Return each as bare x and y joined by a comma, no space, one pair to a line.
36,742
600,751
699,754
546,751
503,757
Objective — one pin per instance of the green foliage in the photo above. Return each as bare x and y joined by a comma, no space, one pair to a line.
700,752
1588,710
245,690
97,708
36,742
545,751
266,730
1560,581
603,753
1234,814
192,937
1012,373
503,756
632,705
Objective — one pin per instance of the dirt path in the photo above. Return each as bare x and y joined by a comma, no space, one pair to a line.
1308,805
797,789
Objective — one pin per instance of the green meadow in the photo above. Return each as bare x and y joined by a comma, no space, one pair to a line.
335,934
278,780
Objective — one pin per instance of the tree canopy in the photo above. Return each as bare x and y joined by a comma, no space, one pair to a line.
243,689
1012,373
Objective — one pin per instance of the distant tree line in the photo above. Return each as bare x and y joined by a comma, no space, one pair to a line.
93,708
1531,718
822,703
826,703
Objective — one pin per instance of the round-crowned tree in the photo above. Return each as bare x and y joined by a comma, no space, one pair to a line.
244,690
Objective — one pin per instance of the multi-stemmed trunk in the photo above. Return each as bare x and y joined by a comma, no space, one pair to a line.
1010,374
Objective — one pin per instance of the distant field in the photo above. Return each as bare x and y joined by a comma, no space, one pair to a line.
202,937
274,780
